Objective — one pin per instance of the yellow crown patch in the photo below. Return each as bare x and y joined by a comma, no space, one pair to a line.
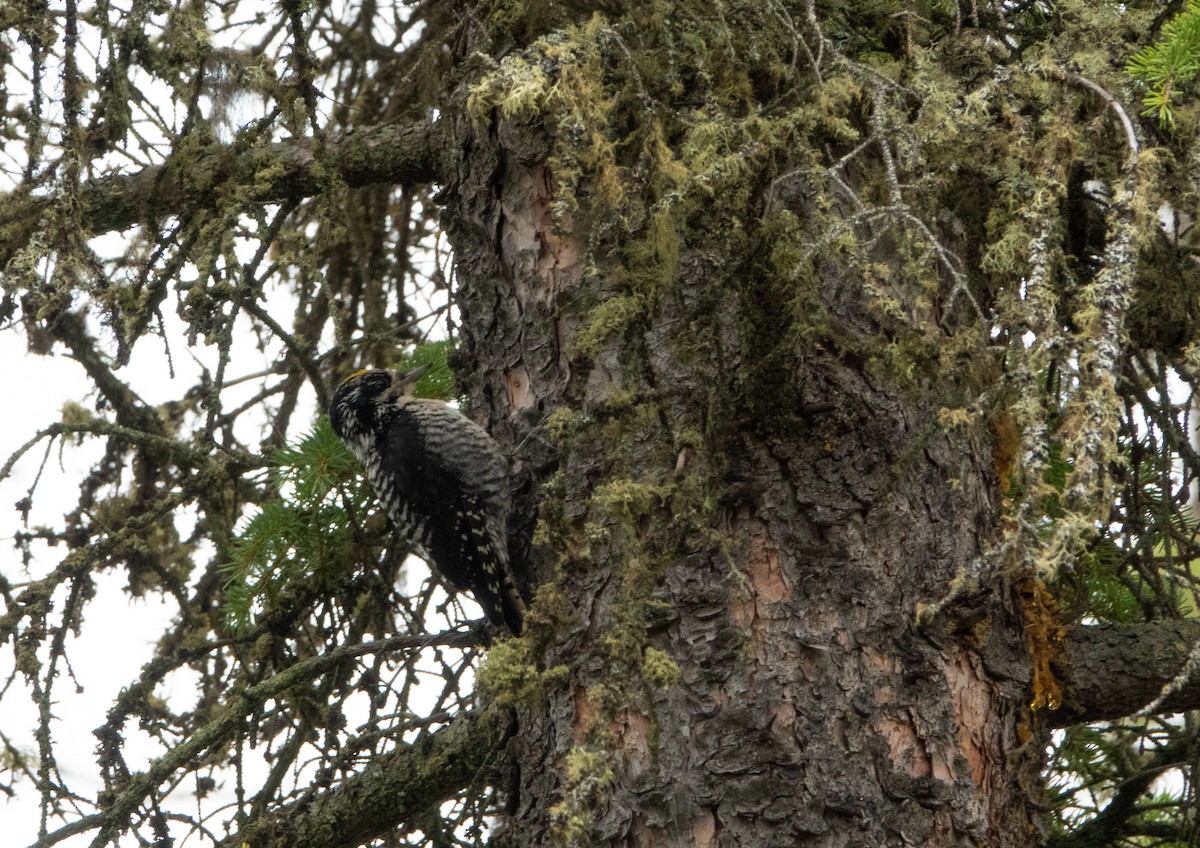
357,373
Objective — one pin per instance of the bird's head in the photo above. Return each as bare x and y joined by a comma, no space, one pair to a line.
358,399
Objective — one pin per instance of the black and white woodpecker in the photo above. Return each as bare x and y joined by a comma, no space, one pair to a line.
441,479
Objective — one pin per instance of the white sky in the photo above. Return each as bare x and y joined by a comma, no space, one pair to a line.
119,631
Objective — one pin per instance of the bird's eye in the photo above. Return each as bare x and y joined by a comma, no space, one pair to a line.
376,382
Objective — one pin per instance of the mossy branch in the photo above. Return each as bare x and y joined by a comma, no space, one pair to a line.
370,804
406,153
464,738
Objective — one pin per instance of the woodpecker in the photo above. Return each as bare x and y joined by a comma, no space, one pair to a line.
441,479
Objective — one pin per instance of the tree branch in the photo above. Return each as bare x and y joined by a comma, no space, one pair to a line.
394,788
1113,670
1112,823
287,170
441,762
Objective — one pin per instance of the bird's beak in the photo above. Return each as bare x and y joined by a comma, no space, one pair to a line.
416,373
406,379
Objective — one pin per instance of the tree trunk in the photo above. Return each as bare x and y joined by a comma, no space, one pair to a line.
725,647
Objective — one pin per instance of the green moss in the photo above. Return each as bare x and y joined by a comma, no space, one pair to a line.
74,415
510,674
621,400
608,318
652,260
560,80
627,499
585,765
267,177
590,776
658,669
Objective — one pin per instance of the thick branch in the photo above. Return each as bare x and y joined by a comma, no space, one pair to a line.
1114,670
288,170
397,787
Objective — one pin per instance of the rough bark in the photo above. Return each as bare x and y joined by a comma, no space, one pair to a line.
808,704
1113,670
